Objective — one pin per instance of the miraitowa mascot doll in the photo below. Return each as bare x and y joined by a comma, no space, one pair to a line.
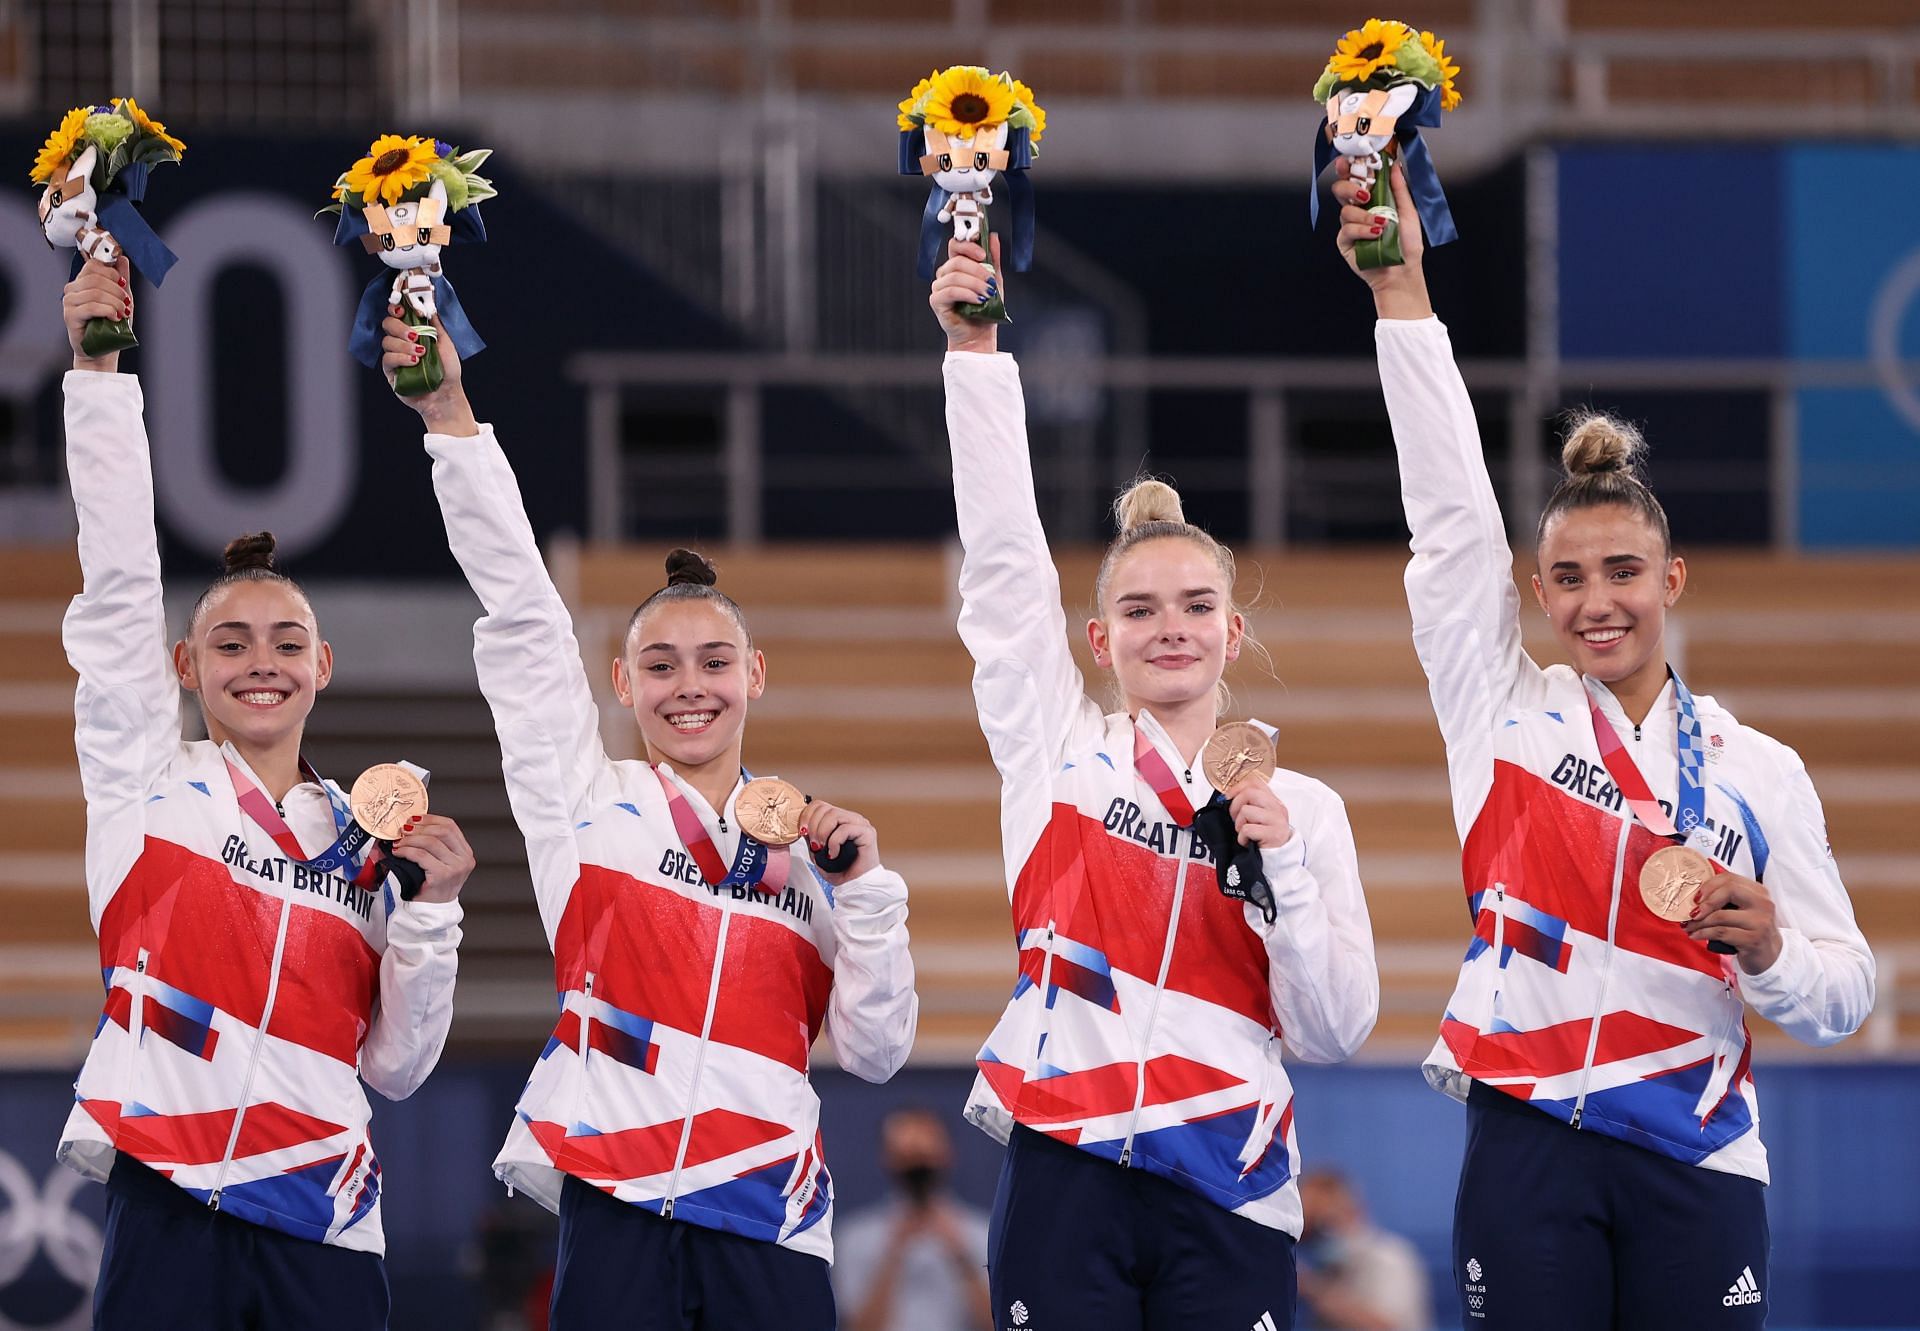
1383,83
403,201
94,168
964,127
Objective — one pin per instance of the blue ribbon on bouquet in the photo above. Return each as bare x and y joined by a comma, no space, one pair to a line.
120,214
1436,218
364,340
1017,248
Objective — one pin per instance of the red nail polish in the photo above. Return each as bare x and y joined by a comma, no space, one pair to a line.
1362,197
122,281
413,337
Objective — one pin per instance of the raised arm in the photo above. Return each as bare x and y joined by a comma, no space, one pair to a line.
524,648
1466,610
1029,692
127,707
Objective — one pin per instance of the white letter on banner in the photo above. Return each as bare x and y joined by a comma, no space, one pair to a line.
304,506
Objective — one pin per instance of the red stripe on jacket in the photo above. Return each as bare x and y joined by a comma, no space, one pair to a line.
651,952
1114,895
212,937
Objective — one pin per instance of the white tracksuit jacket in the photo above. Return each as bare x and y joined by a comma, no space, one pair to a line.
676,1078
1573,995
243,991
1147,1022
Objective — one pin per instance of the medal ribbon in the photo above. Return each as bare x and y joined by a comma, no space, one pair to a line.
340,855
1692,802
1154,771
754,863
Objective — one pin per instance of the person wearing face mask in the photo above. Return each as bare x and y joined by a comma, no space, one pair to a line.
259,963
1136,1073
1641,868
1355,1276
918,1261
669,1121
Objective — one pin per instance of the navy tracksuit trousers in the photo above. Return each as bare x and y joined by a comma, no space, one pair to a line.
172,1263
1077,1243
622,1268
1554,1227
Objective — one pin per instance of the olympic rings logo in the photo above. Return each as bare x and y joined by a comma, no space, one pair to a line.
34,1221
1883,337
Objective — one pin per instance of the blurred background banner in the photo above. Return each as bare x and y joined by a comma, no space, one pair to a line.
704,327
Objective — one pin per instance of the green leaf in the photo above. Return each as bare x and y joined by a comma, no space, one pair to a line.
469,162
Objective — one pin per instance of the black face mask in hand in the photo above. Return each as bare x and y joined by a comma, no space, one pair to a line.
1236,866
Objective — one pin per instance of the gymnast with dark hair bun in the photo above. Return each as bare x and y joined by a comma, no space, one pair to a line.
669,1120
259,963
1641,869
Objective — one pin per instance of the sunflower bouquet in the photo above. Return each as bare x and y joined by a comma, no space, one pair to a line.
93,169
404,201
1385,80
964,126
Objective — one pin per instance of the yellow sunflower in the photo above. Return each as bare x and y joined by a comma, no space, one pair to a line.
1024,95
913,99
966,97
150,125
61,145
1365,50
1437,48
392,166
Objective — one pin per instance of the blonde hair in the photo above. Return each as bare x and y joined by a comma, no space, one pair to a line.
1149,510
1601,458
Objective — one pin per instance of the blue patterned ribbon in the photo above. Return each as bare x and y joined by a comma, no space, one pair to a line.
1436,218
364,340
1017,253
144,250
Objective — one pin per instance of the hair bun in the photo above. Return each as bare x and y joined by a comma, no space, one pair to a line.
689,566
254,550
1599,443
1147,501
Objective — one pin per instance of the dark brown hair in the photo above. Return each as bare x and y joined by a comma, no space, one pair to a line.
1601,459
690,577
248,558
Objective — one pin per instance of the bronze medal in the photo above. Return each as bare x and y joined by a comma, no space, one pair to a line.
1235,752
1671,879
386,798
768,810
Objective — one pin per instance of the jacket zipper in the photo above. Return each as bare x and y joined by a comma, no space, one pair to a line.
699,1062
1499,944
139,1004
259,1043
1046,979
1153,1011
586,1020
1606,971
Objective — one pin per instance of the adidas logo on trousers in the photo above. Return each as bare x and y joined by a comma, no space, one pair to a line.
1744,1290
